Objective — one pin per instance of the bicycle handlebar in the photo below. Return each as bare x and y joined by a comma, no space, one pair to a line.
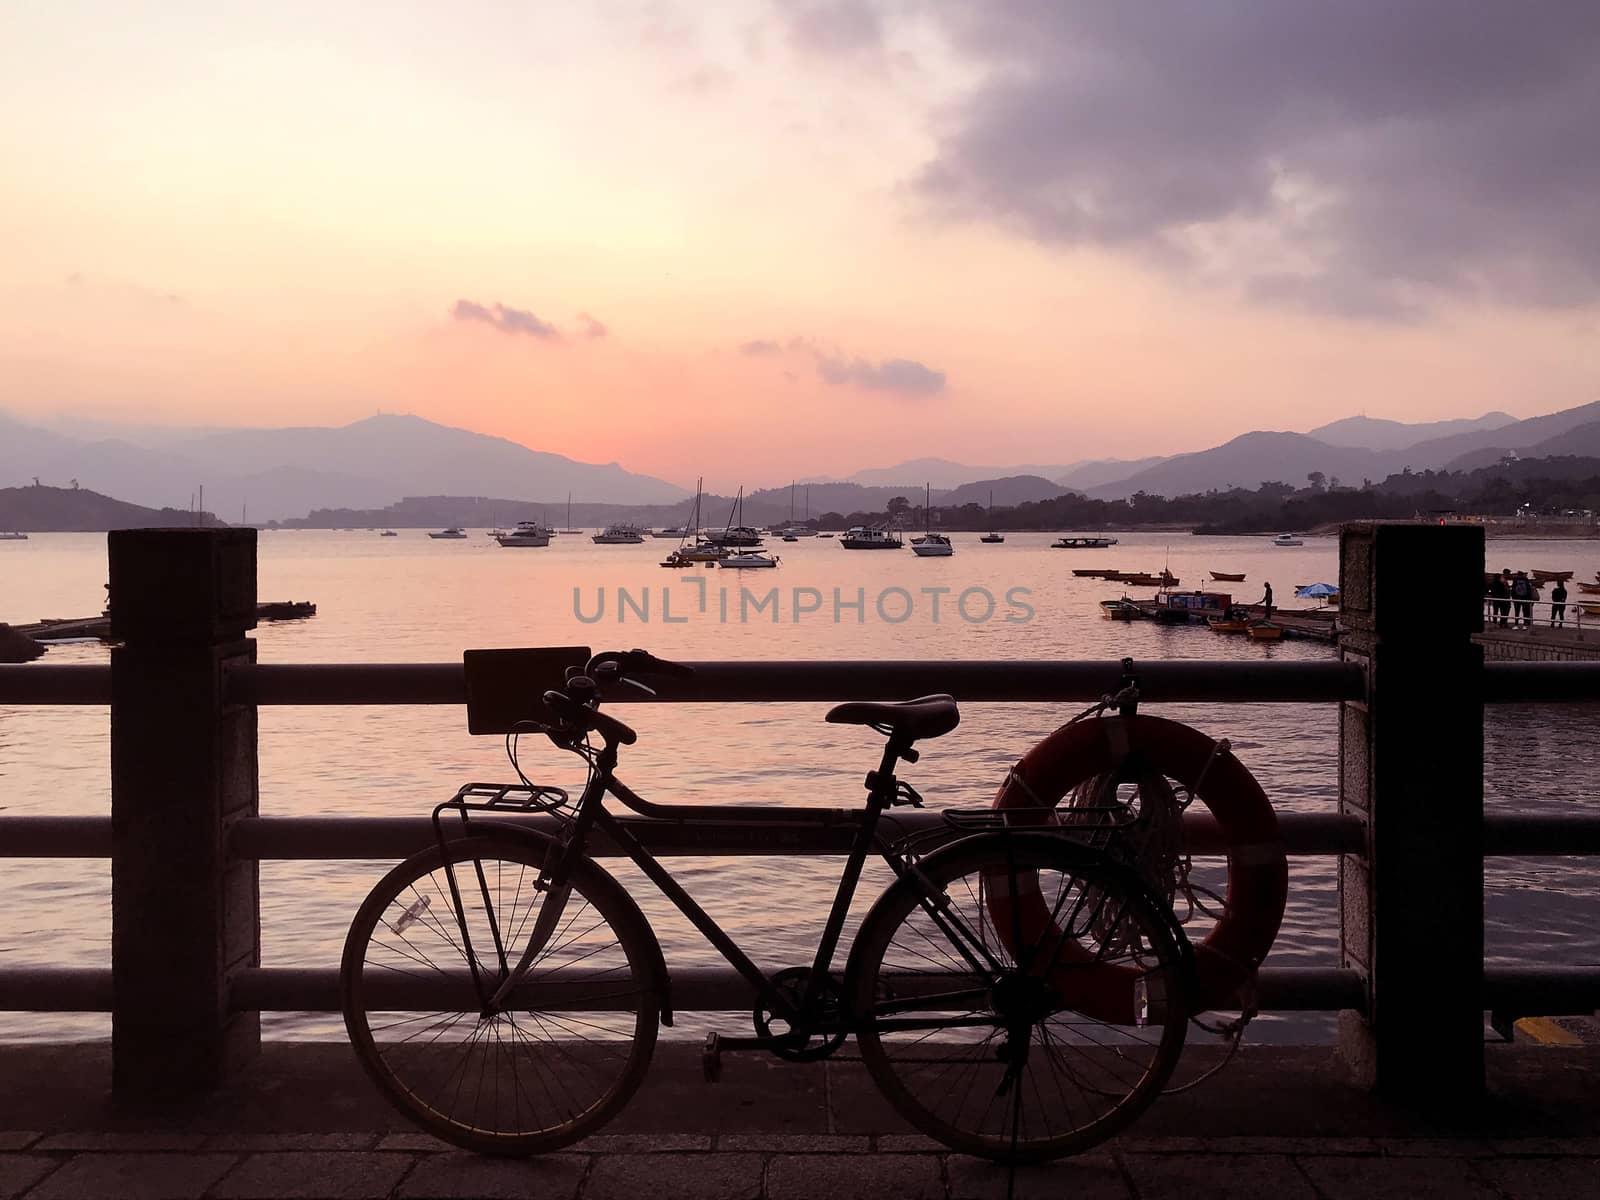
578,702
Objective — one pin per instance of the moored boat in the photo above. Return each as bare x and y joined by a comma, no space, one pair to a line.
1082,543
1287,539
930,544
619,534
1549,576
1263,632
862,537
1224,577
527,533
748,560
454,533
1228,624
388,533
1120,610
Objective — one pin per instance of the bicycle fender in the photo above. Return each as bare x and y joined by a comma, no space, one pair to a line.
593,873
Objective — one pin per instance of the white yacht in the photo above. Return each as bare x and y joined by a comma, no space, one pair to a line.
933,545
13,536
527,533
619,534
748,560
1287,539
452,534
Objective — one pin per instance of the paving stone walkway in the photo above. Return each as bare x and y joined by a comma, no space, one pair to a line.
1279,1124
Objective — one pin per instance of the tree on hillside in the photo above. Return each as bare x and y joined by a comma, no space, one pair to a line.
899,506
1317,480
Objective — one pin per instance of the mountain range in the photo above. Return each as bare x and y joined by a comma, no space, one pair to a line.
281,473
373,464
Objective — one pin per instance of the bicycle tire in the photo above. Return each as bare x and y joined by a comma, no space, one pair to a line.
940,1036
562,1059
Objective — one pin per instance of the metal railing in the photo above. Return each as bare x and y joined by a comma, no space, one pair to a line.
183,706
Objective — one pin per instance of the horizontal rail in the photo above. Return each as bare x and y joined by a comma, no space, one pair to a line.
721,682
445,683
696,989
1541,991
721,989
1506,835
393,838
38,683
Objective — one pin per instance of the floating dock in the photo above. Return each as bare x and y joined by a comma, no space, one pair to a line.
63,629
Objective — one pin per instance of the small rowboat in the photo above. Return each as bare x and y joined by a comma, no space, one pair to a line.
1591,588
1549,576
1590,610
1224,577
1119,610
1227,625
1272,633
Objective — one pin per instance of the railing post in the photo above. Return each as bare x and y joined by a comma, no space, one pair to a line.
183,767
1411,766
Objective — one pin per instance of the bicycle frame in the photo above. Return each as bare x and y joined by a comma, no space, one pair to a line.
592,815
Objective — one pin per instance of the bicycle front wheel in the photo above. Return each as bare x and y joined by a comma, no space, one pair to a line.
1008,1036
536,1069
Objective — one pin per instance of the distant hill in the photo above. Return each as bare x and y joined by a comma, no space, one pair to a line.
943,473
1373,433
1010,489
1246,462
282,473
1254,458
1518,436
1106,470
79,510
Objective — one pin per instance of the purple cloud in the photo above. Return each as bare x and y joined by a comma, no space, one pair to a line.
1367,157
891,375
760,348
506,320
591,328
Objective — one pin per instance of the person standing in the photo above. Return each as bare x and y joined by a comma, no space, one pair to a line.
1558,605
1522,600
1266,603
1500,593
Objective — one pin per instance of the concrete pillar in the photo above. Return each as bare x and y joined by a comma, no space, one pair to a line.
183,767
1411,766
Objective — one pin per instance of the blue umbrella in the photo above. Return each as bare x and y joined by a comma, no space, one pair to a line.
1316,591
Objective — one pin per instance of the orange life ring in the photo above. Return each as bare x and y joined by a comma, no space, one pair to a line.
1258,871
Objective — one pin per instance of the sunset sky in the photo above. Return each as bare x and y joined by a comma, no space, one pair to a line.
775,240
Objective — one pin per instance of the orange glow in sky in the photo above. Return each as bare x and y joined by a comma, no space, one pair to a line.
690,239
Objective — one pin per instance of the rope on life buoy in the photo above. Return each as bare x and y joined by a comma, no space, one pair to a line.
1138,747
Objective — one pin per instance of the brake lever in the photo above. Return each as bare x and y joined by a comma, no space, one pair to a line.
649,691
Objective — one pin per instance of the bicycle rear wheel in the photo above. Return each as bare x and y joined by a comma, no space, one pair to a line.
564,1051
1004,1043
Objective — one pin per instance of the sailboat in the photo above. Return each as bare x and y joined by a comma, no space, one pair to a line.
932,545
569,528
992,537
735,534
792,532
701,551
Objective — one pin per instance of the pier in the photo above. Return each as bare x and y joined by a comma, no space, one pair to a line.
1415,1095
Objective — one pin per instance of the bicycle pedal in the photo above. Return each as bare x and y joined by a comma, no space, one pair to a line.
711,1058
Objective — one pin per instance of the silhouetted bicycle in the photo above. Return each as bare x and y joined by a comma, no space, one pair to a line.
505,991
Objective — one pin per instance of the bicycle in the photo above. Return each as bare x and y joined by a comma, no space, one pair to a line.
506,992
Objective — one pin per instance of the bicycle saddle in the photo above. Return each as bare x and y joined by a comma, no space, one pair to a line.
927,717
